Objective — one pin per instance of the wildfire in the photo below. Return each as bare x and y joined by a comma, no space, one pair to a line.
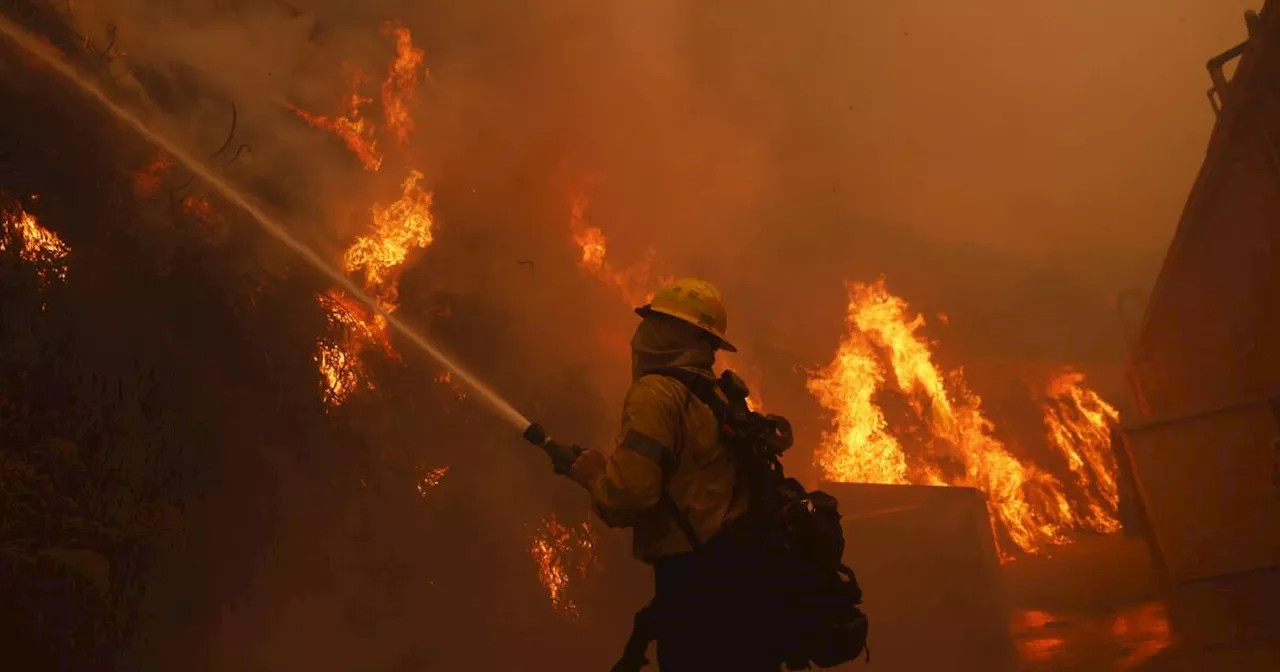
34,244
402,79
632,281
948,440
354,130
561,553
1079,423
431,479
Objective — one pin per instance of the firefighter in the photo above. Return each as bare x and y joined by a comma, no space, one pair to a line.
671,479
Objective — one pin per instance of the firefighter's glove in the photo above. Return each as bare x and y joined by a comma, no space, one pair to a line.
588,467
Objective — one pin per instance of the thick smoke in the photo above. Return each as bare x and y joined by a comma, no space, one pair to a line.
1013,165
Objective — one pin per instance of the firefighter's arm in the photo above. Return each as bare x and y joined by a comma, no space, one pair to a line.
631,478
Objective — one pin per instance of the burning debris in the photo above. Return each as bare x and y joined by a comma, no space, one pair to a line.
952,442
562,553
34,244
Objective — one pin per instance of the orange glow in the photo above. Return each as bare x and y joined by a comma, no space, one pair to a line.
1144,631
884,357
562,553
632,281
1036,643
398,228
148,179
34,244
402,79
1079,424
355,131
430,479
201,209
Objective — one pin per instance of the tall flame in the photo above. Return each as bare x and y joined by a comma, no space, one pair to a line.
398,229
34,244
884,355
1079,424
402,79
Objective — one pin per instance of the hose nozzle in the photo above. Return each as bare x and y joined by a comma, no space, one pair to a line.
562,456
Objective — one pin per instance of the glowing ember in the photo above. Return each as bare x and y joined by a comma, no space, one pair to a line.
397,229
402,79
201,209
1079,424
446,378
148,179
632,281
561,553
34,244
354,131
883,355
431,479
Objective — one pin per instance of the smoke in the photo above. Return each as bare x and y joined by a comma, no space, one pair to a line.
1013,165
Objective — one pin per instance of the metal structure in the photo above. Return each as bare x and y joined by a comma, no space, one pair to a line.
1204,363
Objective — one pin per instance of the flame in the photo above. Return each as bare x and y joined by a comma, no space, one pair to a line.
430,479
148,179
1079,424
631,281
884,358
338,356
354,131
402,79
35,244
397,229
561,552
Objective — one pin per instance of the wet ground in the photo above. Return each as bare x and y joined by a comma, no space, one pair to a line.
1098,605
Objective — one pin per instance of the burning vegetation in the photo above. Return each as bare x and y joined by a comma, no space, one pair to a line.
21,234
562,553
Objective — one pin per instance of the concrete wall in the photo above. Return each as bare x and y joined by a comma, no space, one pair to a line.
1212,330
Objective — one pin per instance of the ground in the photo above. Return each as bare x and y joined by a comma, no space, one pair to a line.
1099,605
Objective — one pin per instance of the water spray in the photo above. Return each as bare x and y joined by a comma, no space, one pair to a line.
59,64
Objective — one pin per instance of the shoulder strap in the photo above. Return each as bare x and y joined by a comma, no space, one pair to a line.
700,386
705,390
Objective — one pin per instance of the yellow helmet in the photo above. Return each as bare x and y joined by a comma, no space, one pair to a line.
696,302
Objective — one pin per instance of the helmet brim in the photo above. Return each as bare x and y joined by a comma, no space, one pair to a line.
721,344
